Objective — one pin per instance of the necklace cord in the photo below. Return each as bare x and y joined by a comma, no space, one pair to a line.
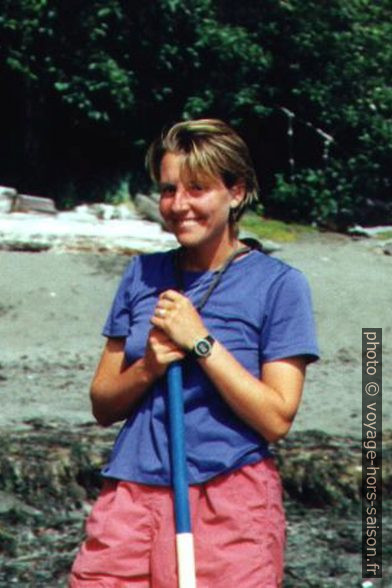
216,279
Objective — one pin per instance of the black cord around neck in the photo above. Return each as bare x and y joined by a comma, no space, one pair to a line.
217,275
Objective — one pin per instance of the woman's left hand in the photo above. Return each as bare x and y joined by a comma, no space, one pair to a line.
179,319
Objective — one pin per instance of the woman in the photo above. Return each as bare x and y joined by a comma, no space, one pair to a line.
241,323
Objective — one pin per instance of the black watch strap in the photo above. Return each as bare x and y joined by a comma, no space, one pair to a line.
202,347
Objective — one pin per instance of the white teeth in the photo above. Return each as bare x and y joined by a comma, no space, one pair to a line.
189,221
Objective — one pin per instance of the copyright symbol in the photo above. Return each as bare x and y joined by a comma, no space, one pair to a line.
372,388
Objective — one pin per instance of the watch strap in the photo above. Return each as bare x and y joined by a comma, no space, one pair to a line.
202,347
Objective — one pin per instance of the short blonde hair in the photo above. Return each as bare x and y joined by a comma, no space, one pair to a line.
210,148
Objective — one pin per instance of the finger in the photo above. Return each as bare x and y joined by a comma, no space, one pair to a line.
156,335
164,307
157,322
164,346
171,295
160,323
175,356
166,303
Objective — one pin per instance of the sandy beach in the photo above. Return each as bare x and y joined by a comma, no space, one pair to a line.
53,305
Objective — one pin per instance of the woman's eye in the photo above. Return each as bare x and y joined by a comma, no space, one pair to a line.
167,190
195,187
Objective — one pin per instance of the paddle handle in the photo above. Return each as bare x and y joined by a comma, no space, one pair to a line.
184,537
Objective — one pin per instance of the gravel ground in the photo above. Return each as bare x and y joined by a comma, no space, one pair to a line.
53,305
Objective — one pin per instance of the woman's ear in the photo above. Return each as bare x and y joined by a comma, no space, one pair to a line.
237,195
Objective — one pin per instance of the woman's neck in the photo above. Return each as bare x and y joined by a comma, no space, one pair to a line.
207,257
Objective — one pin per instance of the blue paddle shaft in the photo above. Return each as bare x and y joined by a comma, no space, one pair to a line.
177,446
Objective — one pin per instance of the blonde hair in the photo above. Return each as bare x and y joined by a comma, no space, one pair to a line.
210,148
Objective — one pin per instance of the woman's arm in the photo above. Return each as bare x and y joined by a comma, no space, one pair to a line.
117,387
268,404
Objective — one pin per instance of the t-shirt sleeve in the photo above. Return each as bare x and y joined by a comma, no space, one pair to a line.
119,317
289,328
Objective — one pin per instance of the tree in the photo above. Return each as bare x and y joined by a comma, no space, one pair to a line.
88,85
331,63
107,80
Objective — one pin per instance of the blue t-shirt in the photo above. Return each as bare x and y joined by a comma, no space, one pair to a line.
260,311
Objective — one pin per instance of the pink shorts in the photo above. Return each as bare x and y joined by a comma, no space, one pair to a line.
238,526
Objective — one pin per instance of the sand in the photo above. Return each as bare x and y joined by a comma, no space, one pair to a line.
53,305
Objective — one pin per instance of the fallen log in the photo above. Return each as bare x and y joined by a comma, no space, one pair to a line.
26,203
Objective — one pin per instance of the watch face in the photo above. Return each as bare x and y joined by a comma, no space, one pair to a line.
203,348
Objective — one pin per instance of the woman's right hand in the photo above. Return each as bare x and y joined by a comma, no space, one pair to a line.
117,387
160,352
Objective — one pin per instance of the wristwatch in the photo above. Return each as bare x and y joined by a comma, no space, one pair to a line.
202,347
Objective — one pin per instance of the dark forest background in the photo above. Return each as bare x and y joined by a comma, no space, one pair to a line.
86,85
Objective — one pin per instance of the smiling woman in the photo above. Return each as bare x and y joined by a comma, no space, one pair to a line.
206,180
209,149
243,326
198,211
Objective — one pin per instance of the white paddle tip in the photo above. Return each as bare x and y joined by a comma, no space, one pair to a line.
186,560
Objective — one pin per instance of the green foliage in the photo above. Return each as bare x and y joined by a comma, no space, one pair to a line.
94,82
61,47
387,235
331,67
321,196
305,197
275,230
118,194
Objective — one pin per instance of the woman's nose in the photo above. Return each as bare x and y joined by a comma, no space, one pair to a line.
180,200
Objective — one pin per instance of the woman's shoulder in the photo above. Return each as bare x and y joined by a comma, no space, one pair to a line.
266,265
273,276
156,257
149,260
156,261
150,268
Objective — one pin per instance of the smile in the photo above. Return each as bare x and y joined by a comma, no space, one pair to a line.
187,222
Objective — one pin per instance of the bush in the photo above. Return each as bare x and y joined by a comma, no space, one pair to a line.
323,197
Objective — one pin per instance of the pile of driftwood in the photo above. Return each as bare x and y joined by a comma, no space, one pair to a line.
12,201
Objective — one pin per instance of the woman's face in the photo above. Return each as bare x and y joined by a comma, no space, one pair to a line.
196,212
